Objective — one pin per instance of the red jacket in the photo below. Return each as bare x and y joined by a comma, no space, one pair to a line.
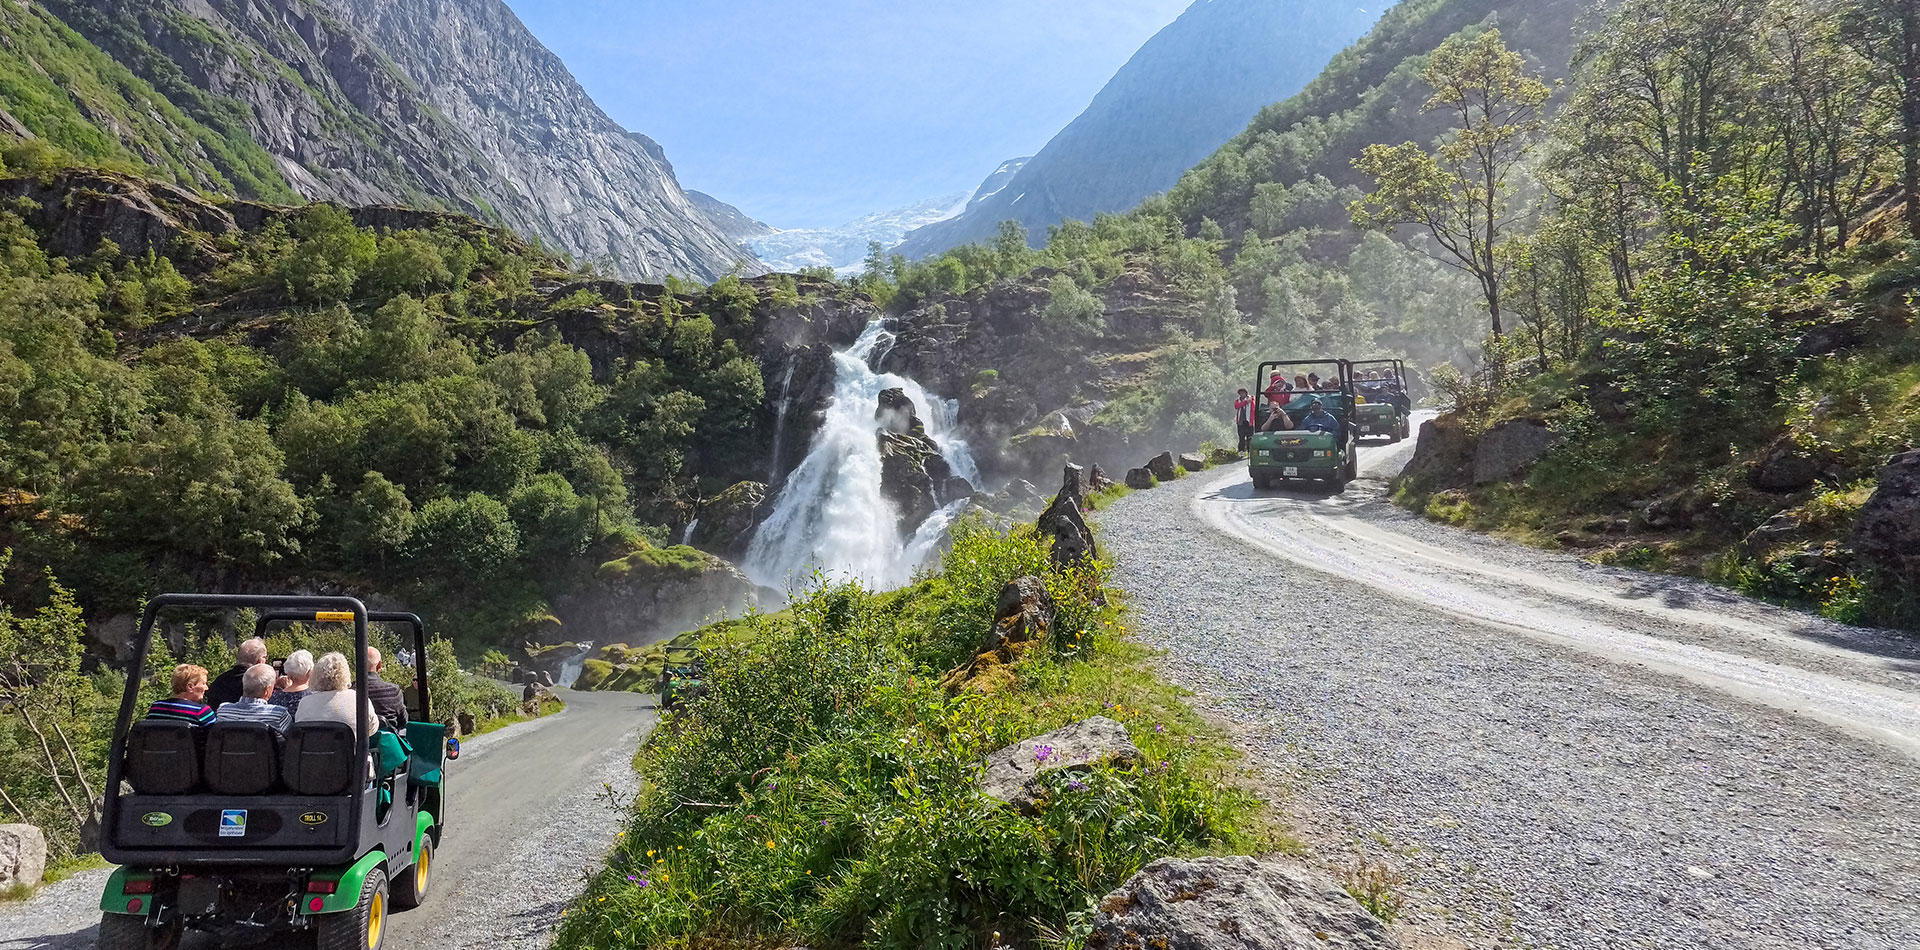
1244,405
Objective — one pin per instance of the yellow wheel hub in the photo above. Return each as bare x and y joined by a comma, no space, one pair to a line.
376,920
420,872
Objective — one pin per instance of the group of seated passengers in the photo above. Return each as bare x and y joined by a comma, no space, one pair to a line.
307,690
1279,393
1384,386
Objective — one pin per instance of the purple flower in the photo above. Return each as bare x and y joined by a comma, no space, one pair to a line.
1076,785
1041,753
1159,728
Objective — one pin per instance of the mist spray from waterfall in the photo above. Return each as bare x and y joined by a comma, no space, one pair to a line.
831,515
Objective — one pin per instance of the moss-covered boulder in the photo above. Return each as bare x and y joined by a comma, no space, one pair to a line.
650,593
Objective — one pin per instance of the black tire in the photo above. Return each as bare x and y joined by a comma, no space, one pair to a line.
362,928
124,932
410,889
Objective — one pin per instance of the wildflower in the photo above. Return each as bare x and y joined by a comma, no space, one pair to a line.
1159,728
1041,753
1076,785
649,852
769,844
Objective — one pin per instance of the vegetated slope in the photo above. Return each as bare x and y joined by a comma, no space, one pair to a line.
1288,168
400,403
60,89
1187,90
443,104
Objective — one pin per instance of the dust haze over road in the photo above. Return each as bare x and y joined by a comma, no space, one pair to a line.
1554,754
523,823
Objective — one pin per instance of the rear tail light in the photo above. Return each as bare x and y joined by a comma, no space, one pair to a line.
138,887
135,906
322,887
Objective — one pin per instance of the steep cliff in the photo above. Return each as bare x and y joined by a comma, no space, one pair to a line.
1189,89
442,103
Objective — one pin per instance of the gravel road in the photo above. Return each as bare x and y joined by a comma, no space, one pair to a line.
1553,754
523,825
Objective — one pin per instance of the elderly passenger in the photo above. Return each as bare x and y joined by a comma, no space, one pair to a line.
226,687
186,704
296,678
256,687
333,698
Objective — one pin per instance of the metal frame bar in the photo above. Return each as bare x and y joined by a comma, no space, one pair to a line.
378,616
136,669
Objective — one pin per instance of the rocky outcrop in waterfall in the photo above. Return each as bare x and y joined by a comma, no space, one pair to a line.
447,104
1030,393
651,593
913,476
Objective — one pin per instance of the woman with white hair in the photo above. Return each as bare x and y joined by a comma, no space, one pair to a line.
296,676
332,697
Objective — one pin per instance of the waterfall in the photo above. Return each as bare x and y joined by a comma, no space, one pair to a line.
686,533
780,421
831,515
570,668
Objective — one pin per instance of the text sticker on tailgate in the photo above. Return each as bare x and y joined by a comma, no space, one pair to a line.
233,823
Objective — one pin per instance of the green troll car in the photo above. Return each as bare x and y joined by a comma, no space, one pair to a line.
1383,411
250,836
1316,440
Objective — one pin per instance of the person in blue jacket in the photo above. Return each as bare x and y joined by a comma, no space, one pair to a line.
1318,419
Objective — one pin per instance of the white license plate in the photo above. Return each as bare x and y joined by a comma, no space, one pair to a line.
1290,472
1366,428
1263,453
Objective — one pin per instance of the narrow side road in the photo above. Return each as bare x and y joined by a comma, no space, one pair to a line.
1553,754
524,822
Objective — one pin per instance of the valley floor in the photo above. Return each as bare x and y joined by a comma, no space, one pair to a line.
1553,754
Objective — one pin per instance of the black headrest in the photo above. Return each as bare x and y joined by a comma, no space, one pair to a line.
320,758
163,757
242,758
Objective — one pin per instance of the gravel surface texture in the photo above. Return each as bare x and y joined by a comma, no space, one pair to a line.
1552,754
526,820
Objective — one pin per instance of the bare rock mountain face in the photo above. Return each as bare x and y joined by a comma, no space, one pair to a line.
447,104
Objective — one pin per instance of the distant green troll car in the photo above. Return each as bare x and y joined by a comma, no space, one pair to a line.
1323,449
1384,409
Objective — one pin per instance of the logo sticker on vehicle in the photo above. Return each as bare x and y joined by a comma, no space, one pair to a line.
233,823
314,818
157,819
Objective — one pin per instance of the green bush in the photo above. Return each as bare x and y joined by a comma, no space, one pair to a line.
822,791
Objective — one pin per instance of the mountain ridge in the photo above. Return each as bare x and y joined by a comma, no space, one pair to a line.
1187,91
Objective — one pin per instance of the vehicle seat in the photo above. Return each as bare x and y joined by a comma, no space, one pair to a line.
320,758
163,757
242,758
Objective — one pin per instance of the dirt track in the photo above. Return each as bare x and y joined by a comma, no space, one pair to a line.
1553,754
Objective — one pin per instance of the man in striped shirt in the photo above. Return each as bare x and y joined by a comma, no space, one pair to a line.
189,686
256,686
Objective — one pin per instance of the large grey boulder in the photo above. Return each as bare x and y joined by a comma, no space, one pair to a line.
1139,479
1013,773
1162,467
1193,461
1888,529
1507,450
23,856
1234,903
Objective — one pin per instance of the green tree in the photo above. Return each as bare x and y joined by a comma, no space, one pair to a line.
378,521
1070,306
46,702
1462,192
464,541
1888,33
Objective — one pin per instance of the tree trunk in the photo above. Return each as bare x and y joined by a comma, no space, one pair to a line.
53,769
4,797
86,786
1910,110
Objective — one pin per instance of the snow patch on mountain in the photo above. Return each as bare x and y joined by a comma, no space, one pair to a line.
845,248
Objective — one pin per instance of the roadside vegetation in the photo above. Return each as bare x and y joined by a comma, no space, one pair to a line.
1715,305
822,790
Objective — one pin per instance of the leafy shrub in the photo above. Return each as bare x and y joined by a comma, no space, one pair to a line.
822,790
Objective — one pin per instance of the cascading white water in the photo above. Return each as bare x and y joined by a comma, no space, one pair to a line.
831,515
780,423
686,533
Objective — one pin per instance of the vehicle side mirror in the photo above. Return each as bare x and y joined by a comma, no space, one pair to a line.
453,748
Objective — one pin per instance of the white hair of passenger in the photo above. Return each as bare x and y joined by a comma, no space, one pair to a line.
332,672
257,681
298,667
253,652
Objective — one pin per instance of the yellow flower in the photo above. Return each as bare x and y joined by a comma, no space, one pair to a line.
649,852
769,844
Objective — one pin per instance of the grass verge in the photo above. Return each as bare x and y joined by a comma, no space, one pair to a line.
822,792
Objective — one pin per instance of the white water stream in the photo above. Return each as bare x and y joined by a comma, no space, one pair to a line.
780,423
831,516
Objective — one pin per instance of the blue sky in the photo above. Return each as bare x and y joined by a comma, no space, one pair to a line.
810,114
